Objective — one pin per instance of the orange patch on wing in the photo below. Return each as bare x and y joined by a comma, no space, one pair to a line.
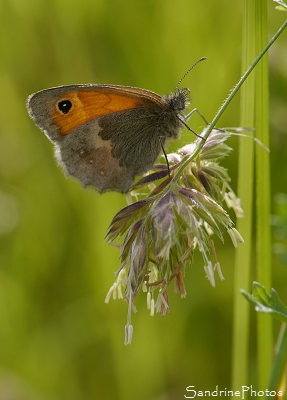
87,105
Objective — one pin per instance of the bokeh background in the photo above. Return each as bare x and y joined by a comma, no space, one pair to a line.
58,339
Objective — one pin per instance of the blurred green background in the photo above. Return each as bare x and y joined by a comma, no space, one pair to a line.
58,339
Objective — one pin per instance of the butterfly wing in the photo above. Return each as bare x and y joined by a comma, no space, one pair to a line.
86,102
104,134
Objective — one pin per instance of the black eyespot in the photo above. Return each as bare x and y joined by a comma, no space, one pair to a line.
64,106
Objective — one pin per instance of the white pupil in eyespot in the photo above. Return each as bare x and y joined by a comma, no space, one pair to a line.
65,106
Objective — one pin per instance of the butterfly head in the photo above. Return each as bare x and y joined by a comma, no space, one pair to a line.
177,101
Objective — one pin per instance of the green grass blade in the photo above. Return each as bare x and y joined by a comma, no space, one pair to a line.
263,234
245,192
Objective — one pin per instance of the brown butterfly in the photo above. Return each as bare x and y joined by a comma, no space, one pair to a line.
105,135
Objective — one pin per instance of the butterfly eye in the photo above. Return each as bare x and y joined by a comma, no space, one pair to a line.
65,106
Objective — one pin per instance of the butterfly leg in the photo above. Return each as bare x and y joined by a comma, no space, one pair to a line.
165,156
195,110
186,118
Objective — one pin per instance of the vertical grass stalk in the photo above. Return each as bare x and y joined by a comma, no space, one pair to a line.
263,236
254,113
243,256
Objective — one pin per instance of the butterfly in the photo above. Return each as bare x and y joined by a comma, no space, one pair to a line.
106,135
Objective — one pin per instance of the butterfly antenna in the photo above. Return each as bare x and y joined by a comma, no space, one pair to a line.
188,71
